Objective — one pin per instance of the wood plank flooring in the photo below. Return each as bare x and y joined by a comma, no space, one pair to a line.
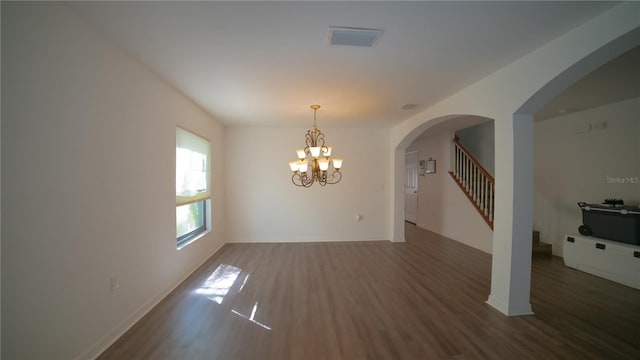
424,299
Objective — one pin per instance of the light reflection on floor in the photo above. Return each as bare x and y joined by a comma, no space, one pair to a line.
217,286
252,316
243,283
220,282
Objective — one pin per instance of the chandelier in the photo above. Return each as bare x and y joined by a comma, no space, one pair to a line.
314,161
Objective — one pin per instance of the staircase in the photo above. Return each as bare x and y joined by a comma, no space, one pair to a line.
479,187
540,249
474,181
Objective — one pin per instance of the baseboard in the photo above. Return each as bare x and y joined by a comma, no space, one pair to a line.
106,341
510,310
299,240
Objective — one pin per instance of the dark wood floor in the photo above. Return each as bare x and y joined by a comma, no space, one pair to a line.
424,299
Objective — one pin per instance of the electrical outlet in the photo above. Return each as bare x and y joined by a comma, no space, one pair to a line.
114,283
582,128
600,125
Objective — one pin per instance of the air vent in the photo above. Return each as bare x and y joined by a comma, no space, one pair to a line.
348,36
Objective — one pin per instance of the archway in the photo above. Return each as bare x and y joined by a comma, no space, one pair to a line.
511,268
531,81
441,204
510,290
398,171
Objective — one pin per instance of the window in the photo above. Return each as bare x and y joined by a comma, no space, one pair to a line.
192,186
190,221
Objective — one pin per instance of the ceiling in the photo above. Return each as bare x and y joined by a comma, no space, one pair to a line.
615,81
264,63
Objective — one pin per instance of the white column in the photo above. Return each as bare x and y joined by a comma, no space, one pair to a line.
397,228
511,267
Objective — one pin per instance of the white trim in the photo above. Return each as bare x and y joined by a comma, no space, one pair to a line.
106,341
512,310
301,240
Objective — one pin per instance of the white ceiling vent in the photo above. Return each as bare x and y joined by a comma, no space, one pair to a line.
348,36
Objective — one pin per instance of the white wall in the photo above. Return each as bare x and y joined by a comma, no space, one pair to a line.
442,207
264,206
479,141
88,144
572,167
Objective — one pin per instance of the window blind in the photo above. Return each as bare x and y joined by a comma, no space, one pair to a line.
193,167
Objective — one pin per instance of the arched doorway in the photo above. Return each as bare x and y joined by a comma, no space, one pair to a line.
441,203
530,83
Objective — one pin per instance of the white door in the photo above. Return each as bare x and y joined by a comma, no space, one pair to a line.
411,187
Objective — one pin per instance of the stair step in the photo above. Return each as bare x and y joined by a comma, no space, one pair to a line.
542,249
536,236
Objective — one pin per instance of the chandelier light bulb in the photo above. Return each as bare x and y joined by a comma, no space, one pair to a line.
315,151
324,164
302,167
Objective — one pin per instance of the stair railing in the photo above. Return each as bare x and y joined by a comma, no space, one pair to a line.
474,181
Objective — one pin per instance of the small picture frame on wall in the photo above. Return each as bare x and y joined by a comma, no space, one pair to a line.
422,167
431,166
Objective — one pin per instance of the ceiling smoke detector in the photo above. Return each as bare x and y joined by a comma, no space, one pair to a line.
408,106
349,36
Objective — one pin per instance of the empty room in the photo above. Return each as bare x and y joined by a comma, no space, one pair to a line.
353,180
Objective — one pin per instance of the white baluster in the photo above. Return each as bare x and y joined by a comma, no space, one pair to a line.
468,183
459,165
463,164
474,182
472,190
457,162
470,177
491,190
486,196
482,182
